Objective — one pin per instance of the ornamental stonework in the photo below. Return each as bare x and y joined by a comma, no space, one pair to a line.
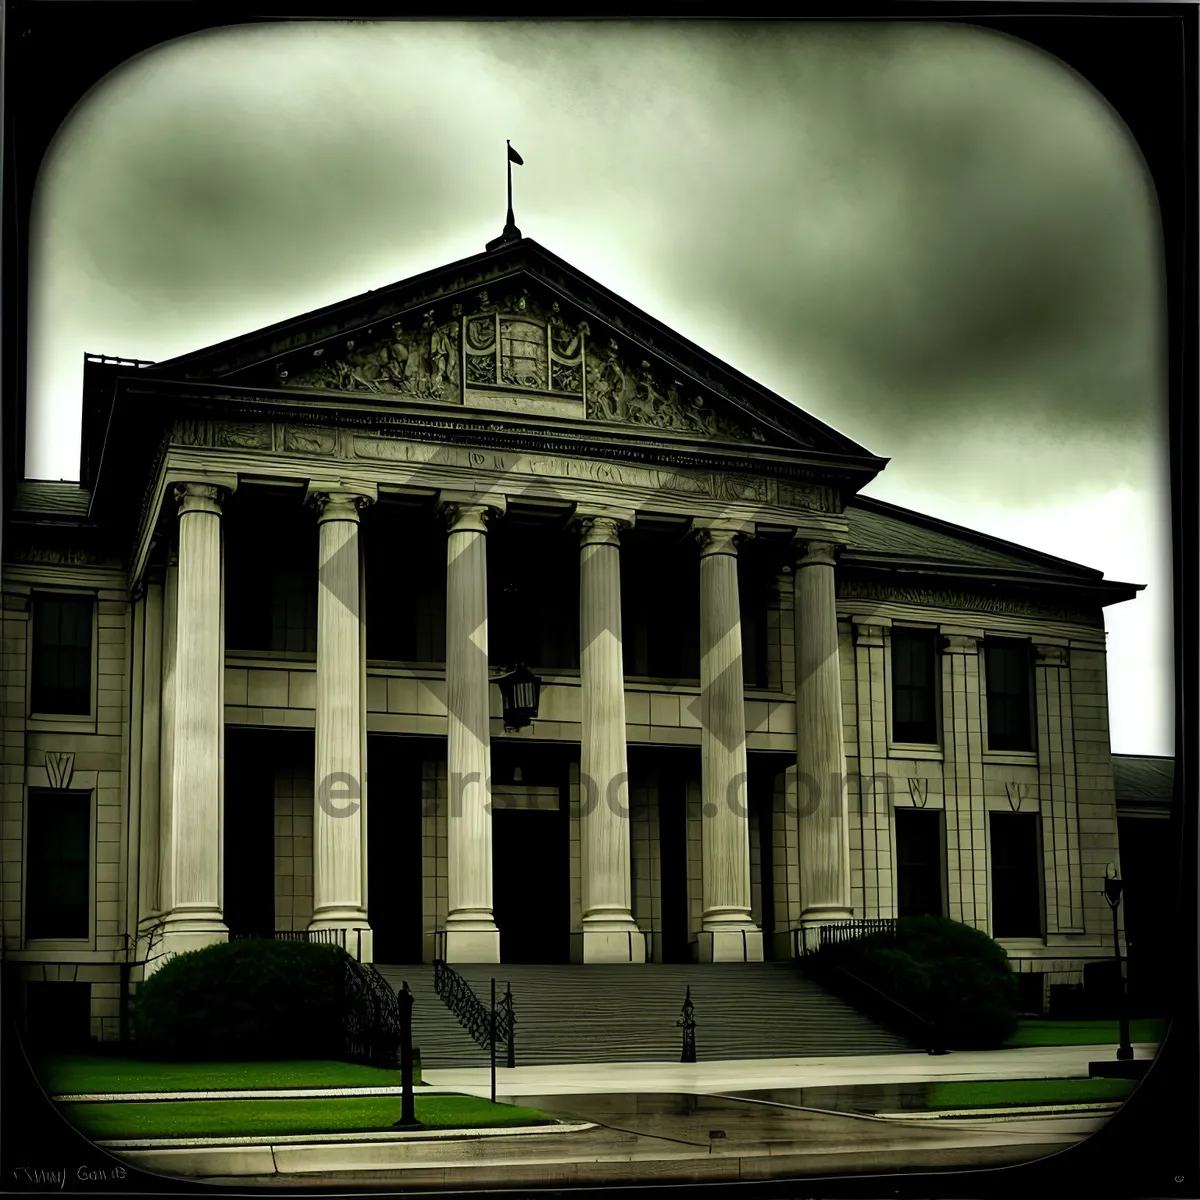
856,589
517,343
417,359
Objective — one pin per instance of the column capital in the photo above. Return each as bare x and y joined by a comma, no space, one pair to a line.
602,527
813,553
200,496
338,501
469,511
720,537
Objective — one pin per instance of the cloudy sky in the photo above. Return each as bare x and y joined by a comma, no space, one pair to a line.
935,239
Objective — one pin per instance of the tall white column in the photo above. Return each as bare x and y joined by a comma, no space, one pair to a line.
824,826
610,933
471,934
339,901
727,930
148,835
192,866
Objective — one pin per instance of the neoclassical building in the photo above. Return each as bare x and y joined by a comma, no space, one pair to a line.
259,661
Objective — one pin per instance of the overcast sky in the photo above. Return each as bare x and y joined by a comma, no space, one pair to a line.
936,239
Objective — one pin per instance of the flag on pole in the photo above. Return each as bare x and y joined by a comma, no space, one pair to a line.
513,156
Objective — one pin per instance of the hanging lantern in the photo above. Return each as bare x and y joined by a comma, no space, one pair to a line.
520,690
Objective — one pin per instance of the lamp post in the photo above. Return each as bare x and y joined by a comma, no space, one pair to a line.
1113,886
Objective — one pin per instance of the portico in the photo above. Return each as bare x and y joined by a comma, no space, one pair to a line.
592,697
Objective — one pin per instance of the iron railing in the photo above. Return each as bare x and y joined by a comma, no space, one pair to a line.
372,1023
471,1013
815,938
321,937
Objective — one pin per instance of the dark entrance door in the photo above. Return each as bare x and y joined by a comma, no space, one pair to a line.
249,835
672,848
531,884
394,848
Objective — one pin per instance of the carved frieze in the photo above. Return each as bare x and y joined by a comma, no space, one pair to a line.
857,589
242,435
190,431
420,362
70,556
309,439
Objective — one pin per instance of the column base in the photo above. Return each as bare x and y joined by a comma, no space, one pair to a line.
730,945
626,945
184,932
479,945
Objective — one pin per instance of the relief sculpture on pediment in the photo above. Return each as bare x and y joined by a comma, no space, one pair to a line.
618,394
418,362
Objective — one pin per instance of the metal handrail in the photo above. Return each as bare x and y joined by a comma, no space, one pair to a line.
470,1012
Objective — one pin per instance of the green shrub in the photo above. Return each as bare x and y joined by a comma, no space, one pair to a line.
948,973
254,998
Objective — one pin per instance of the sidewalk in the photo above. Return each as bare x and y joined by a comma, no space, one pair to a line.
629,1121
763,1074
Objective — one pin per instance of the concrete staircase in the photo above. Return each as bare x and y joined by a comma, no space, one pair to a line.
627,1013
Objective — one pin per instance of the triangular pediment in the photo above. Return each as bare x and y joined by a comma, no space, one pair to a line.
513,326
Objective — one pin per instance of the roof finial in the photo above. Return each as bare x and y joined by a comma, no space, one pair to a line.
511,232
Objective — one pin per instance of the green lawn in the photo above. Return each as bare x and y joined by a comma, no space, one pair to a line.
77,1074
1041,1031
997,1093
214,1118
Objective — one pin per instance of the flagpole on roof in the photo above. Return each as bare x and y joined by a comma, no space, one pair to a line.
510,223
511,232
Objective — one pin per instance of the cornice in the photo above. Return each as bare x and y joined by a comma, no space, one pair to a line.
489,429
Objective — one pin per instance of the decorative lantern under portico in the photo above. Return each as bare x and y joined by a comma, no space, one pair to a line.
520,691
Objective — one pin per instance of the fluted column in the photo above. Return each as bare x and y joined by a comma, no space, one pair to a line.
471,934
609,931
339,812
727,930
824,826
192,849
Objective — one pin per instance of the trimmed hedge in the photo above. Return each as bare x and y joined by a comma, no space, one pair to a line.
254,998
953,976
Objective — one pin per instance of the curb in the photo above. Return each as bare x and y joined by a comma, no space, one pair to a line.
245,1094
367,1137
1013,1113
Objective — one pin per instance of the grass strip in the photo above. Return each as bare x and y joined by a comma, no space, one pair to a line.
1040,1031
999,1093
79,1074
247,1118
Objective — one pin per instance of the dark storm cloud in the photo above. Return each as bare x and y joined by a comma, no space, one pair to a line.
901,228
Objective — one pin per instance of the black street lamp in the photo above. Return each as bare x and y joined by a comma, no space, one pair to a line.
1113,886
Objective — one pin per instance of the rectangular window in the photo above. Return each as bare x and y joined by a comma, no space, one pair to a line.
1016,875
62,655
58,887
914,686
1009,694
918,862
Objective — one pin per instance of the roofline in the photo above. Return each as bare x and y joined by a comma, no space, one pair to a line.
887,508
1159,757
521,253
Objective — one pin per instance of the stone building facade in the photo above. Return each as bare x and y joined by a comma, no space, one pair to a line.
252,661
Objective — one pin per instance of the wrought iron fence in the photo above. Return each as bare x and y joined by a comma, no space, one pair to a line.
817,937
323,937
